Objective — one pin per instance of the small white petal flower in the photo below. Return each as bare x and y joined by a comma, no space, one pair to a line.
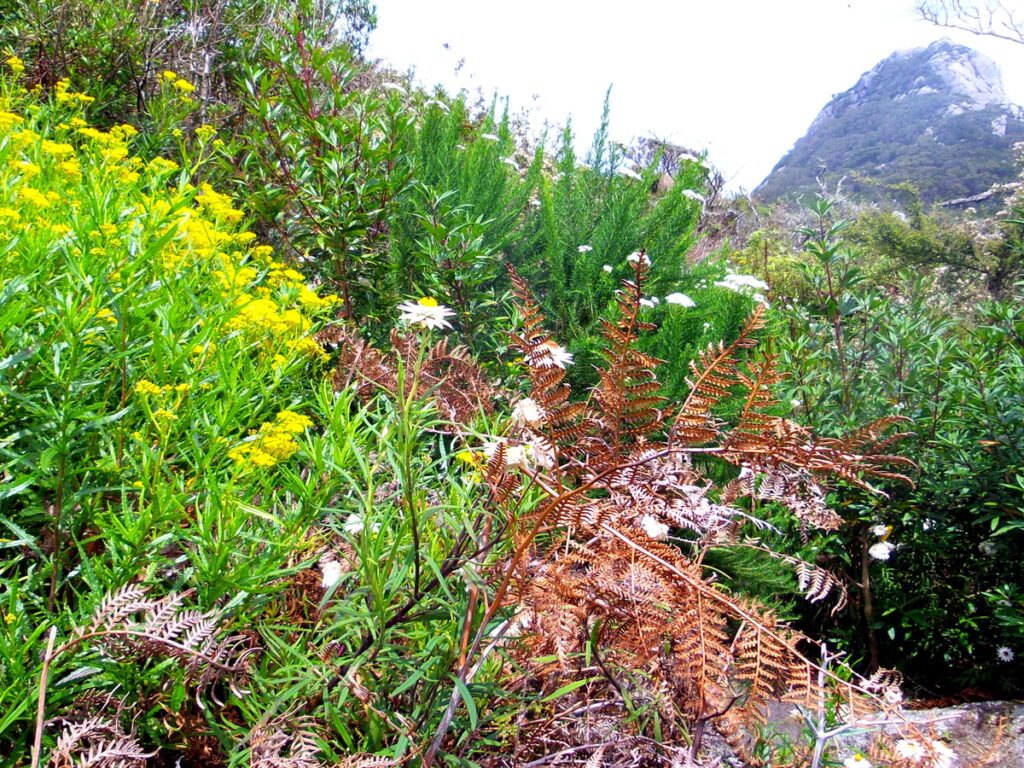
879,530
534,202
527,413
638,256
435,103
647,303
881,551
653,528
707,326
908,749
856,761
549,355
489,136
795,403
541,453
585,248
944,756
517,457
681,299
425,312
331,570
1005,654
607,268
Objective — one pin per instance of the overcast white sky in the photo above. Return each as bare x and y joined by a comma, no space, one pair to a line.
740,78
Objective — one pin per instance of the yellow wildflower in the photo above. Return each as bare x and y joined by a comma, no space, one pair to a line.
184,86
17,65
146,387
8,119
168,74
34,196
57,149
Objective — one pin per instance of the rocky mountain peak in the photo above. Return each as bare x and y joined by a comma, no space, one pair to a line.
967,79
935,116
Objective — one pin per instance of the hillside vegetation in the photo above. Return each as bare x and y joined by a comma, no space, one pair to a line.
341,425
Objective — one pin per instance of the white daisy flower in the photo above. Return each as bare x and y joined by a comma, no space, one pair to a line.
517,457
526,413
879,530
355,523
331,570
425,312
856,761
549,355
681,299
638,257
647,303
881,551
585,248
653,528
1005,654
607,268
944,756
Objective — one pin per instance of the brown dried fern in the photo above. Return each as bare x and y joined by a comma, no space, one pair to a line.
617,489
97,743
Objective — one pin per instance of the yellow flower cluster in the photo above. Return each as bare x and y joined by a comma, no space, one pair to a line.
63,95
217,204
272,443
45,180
17,65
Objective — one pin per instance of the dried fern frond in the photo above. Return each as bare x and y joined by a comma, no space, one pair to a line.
624,406
714,376
448,375
97,743
609,581
285,742
132,626
815,583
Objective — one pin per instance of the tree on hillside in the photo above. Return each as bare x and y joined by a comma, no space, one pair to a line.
993,18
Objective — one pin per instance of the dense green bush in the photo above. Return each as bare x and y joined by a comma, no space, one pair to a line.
948,587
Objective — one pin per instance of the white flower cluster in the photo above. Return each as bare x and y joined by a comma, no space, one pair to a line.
746,284
522,457
942,756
